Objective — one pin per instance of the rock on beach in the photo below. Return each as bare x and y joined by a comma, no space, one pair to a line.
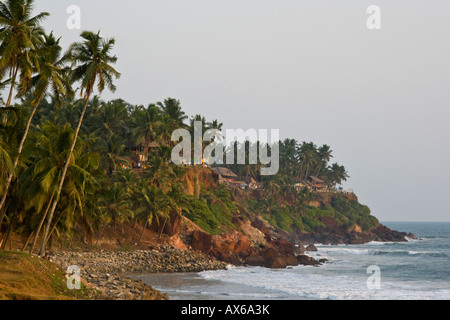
108,270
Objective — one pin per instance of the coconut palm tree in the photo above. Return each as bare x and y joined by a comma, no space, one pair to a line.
115,203
39,182
161,173
19,34
93,60
337,174
6,166
112,148
154,204
173,115
288,156
308,157
324,154
147,124
52,75
109,119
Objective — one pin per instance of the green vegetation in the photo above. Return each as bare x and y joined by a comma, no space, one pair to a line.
307,218
26,277
212,210
71,167
298,162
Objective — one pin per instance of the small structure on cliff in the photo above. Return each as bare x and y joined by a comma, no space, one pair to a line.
226,175
316,184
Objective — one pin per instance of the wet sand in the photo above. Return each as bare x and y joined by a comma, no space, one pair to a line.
191,286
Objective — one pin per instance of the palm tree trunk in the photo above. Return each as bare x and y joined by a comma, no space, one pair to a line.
318,170
307,173
162,229
143,230
38,230
13,82
63,176
16,161
101,233
53,228
28,241
8,233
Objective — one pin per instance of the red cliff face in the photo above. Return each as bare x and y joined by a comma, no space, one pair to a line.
197,177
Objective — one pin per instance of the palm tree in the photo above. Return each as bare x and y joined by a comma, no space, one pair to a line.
216,125
112,149
147,126
270,186
94,66
18,33
116,203
109,119
324,153
174,117
39,182
6,166
52,76
154,204
161,173
308,157
337,174
288,156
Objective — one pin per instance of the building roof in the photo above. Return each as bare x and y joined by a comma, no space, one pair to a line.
315,179
225,172
153,144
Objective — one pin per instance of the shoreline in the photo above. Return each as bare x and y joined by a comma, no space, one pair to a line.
110,271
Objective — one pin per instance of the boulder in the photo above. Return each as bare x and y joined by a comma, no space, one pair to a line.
269,252
231,248
201,241
311,247
411,236
307,260
275,262
225,256
299,249
173,224
284,245
242,247
258,224
255,260
291,260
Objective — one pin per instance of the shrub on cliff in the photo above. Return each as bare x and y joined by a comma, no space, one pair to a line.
198,211
214,208
351,212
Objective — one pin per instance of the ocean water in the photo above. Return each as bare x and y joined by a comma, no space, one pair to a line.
417,269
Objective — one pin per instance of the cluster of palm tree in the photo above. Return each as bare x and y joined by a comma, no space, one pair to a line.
306,159
297,163
61,157
33,63
56,168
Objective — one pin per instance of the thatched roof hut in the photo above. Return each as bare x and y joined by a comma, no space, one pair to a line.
225,172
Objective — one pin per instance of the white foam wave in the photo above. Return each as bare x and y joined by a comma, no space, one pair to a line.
297,282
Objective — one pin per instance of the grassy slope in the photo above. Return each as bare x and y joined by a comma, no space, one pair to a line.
26,277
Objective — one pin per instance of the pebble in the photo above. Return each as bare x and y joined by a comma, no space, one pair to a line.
108,270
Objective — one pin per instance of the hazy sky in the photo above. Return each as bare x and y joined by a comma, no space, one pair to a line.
379,98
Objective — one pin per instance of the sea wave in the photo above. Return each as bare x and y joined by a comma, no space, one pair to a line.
298,283
367,251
